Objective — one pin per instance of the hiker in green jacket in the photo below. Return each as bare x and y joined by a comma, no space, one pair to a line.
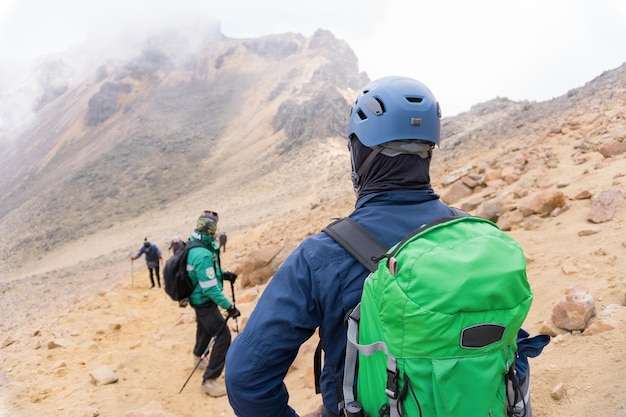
204,269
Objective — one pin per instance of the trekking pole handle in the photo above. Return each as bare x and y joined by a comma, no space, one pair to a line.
232,291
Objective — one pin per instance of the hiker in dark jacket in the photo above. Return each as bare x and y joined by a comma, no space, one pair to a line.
206,274
394,127
153,259
222,240
175,245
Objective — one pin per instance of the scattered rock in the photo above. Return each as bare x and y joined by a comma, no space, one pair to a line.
605,205
103,375
588,232
574,313
543,203
259,267
494,208
547,327
456,192
568,267
510,174
510,220
456,175
8,342
471,204
583,195
596,327
557,392
612,148
60,364
60,368
60,342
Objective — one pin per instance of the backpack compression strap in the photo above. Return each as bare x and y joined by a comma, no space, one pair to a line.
352,349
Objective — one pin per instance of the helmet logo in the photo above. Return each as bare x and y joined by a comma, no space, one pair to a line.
416,121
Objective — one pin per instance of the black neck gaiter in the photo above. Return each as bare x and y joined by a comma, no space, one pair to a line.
386,173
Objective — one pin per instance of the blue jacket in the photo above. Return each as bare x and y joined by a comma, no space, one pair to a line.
152,256
315,287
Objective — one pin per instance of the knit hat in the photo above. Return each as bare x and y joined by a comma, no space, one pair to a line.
207,223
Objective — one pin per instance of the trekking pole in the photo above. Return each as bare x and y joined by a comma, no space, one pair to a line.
232,290
205,353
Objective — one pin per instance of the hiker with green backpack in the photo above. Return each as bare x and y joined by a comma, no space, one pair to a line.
412,332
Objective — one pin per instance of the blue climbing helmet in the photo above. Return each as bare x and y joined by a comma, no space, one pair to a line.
395,109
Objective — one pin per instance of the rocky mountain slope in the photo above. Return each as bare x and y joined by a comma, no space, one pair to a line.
133,136
253,129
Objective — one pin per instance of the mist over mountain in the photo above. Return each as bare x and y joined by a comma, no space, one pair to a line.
110,139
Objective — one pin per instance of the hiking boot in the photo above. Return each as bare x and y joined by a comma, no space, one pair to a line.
203,362
213,388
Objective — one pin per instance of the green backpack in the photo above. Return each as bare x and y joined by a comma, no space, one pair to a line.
435,332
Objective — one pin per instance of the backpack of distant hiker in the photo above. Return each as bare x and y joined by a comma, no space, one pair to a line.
175,277
438,325
178,246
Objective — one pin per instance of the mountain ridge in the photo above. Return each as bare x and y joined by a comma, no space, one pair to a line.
175,118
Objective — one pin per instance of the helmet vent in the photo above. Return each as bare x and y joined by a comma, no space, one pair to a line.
414,99
362,115
375,106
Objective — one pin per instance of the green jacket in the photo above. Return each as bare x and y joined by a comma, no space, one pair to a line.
203,267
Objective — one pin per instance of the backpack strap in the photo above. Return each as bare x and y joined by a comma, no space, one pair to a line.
196,244
317,366
364,247
357,241
186,248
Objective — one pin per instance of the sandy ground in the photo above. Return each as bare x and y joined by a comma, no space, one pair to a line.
117,322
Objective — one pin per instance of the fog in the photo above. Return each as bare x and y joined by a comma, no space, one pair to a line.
466,52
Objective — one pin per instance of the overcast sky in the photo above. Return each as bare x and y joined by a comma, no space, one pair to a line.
467,52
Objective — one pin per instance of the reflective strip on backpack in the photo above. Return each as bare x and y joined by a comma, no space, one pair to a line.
352,349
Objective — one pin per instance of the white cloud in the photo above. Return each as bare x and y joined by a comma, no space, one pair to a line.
470,52
467,52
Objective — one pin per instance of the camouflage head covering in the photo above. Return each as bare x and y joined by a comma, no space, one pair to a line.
207,223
